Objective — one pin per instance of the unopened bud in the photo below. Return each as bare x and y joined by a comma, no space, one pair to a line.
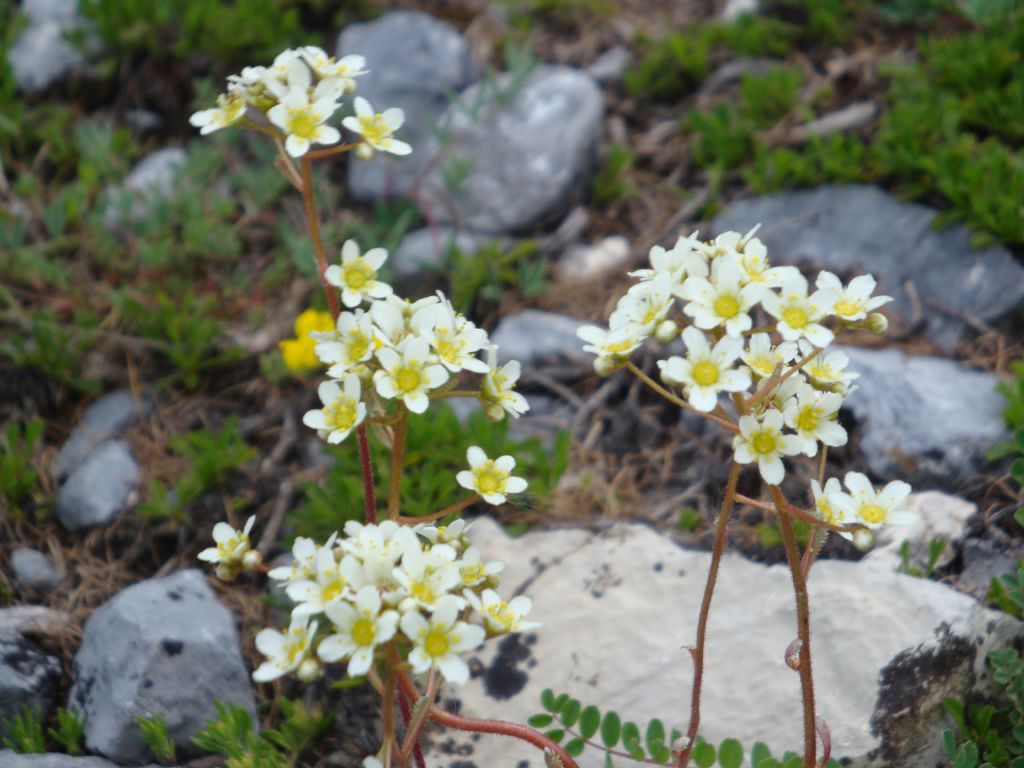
666,331
308,671
227,571
863,539
252,560
364,151
606,366
793,654
877,323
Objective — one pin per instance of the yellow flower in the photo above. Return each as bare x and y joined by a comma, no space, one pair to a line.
299,353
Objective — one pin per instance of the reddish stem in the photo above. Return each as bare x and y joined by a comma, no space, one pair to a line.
403,704
367,467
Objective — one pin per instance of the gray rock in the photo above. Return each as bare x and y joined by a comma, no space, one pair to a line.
610,65
417,63
34,570
733,9
618,609
923,419
10,759
99,488
103,419
584,262
425,249
152,179
42,53
984,561
533,334
162,647
529,150
27,677
856,229
939,516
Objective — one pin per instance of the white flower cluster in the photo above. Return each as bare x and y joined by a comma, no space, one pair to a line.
233,551
758,335
862,505
297,95
425,588
394,349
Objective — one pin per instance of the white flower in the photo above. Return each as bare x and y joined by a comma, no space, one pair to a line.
496,390
304,554
284,651
491,478
352,344
378,548
828,371
439,640
854,301
613,345
473,571
644,306
454,338
333,581
344,70
683,260
231,548
827,511
722,300
230,109
863,504
406,374
377,128
425,577
499,616
812,415
761,440
360,629
705,372
453,534
799,314
763,359
752,257
303,121
357,275
342,411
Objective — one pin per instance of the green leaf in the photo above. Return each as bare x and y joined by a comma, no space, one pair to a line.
730,754
655,736
556,735
570,713
560,701
590,721
758,753
631,739
703,754
949,743
611,727
1017,471
575,747
547,699
542,720
1019,517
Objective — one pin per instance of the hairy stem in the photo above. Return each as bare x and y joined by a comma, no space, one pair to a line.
417,751
388,710
803,625
717,550
449,510
500,727
370,501
397,455
724,423
314,233
412,733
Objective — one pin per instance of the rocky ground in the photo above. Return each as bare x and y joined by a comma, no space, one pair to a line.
105,613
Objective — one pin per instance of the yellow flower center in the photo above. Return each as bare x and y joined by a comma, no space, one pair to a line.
358,274
795,317
473,573
374,129
846,308
764,443
358,346
364,631
436,643
448,350
705,373
227,548
727,306
619,346
302,123
341,415
332,591
408,379
820,371
808,419
826,511
872,513
422,592
500,614
296,645
490,479
763,365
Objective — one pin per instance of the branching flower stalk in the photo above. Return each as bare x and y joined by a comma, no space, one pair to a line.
401,596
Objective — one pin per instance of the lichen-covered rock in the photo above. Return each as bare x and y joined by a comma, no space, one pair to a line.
28,677
534,334
162,647
150,180
105,418
528,151
42,54
424,250
415,62
951,279
99,488
619,608
35,570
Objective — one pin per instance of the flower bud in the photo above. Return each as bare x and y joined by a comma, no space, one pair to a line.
364,151
252,560
308,671
863,539
606,366
877,323
666,331
227,571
